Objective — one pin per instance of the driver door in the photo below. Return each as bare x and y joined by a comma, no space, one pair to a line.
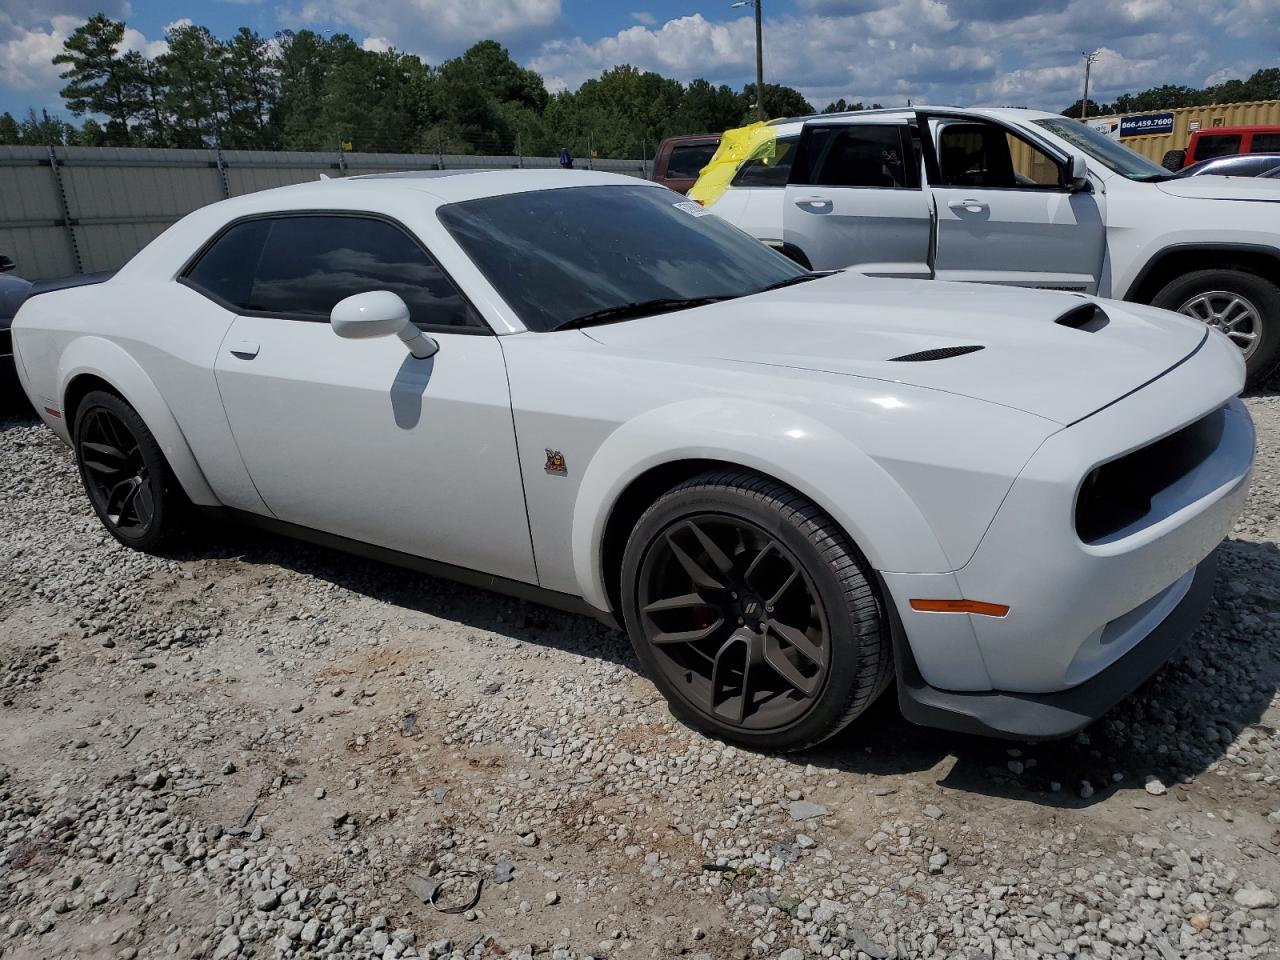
1005,212
357,437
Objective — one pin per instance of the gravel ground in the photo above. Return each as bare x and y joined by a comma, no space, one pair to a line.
257,748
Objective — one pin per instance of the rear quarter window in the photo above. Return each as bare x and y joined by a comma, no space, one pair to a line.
772,171
688,159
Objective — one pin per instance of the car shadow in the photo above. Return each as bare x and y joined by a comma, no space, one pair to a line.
1174,728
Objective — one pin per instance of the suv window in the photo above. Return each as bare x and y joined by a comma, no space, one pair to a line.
688,159
858,155
301,266
1217,145
772,171
986,155
1265,143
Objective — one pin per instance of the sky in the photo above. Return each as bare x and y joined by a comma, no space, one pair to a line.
1001,52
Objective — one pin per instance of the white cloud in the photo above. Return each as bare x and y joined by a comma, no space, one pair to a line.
435,28
375,44
644,17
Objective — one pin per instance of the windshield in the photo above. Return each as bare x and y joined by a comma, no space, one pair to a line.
560,255
1119,159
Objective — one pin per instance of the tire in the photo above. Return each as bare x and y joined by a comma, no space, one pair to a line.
1200,293
788,599
1174,160
125,475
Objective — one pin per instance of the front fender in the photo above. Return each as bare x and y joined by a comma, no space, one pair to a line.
101,358
797,450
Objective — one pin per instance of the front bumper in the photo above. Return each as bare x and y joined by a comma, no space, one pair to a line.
1047,716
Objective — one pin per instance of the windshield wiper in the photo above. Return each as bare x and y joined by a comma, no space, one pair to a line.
640,308
799,278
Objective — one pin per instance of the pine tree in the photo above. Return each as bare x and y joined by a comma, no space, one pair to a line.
100,79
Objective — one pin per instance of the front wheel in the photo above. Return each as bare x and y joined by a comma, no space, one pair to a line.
1243,305
753,613
129,483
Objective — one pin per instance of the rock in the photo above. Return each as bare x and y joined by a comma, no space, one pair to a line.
503,872
791,953
228,946
421,887
551,898
1154,787
228,768
933,812
530,839
1254,898
805,810
310,931
862,942
266,900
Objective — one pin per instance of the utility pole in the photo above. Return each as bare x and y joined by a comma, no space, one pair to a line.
759,56
1089,60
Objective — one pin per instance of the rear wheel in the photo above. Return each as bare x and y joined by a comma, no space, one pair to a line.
753,613
1243,305
129,483
1174,160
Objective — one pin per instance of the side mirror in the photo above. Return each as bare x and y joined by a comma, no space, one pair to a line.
380,313
1078,179
6,264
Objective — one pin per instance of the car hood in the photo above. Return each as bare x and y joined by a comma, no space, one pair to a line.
1055,355
1207,187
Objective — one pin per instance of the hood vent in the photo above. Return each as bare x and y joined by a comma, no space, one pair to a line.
938,353
1088,318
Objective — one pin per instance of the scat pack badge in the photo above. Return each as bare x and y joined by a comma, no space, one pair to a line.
555,463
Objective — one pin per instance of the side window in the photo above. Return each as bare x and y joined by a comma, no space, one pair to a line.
688,159
1218,145
1265,143
771,171
306,264
225,270
859,155
985,155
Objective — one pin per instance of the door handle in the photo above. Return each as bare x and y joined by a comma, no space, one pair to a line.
244,348
970,206
815,204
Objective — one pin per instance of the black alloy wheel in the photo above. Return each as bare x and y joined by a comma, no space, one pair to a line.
753,613
130,485
734,620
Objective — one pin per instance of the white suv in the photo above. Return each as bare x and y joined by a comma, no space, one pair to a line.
1018,197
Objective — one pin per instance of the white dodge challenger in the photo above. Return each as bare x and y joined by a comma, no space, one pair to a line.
789,488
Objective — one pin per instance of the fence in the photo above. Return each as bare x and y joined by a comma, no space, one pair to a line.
66,210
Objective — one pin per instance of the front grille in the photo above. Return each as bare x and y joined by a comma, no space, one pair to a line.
1118,494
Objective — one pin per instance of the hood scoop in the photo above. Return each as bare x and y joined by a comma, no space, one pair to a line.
1088,317
937,353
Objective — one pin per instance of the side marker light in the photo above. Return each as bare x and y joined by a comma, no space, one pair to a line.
980,607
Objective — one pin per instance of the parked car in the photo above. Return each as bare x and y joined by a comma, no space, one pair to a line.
1016,197
680,159
13,290
1236,165
1222,142
577,388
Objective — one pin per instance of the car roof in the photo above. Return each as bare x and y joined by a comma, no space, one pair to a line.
443,186
906,114
1241,128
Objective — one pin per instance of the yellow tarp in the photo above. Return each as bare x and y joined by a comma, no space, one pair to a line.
755,141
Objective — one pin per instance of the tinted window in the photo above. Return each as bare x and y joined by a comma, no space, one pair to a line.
858,155
226,269
1110,153
1265,143
302,266
688,159
770,171
555,255
1217,145
986,155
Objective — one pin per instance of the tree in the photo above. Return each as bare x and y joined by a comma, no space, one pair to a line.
1095,109
622,113
9,132
99,78
304,60
194,89
1165,97
779,101
706,109
250,84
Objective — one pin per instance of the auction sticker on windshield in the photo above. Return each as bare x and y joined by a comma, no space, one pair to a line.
692,208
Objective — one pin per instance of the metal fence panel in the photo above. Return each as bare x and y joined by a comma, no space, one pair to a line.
95,207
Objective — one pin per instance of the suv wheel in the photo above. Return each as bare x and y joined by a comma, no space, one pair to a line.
1243,305
753,613
130,485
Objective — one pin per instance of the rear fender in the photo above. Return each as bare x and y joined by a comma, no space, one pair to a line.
98,357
